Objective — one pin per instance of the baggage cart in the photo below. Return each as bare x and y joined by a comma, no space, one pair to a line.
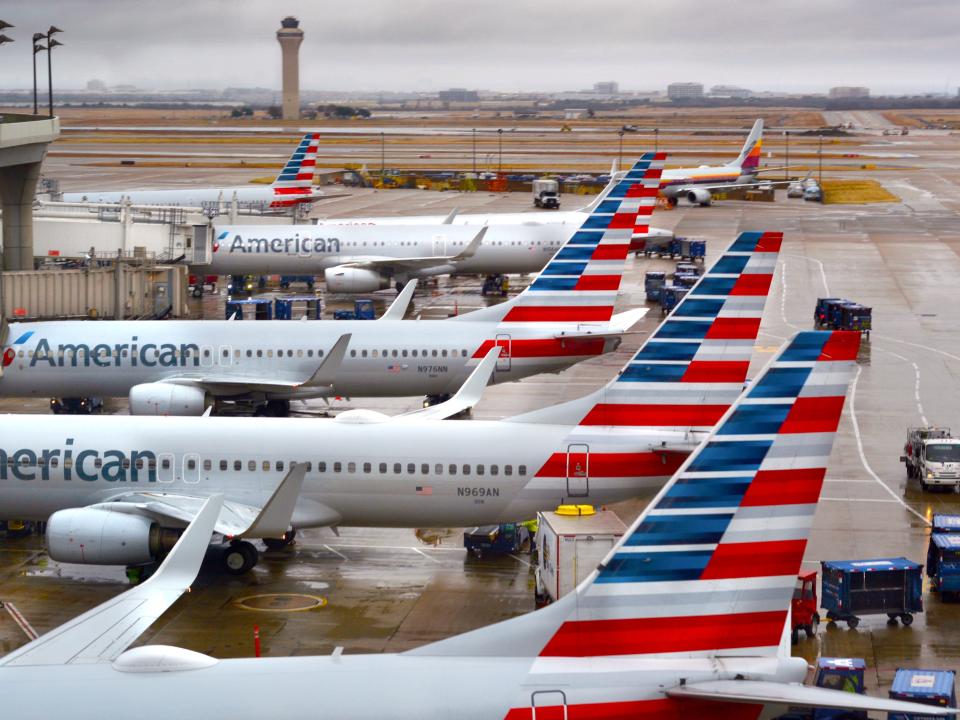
927,687
670,296
652,282
885,586
943,564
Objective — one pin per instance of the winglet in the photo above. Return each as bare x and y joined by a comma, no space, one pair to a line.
103,633
466,397
398,308
625,320
470,250
326,372
448,220
274,520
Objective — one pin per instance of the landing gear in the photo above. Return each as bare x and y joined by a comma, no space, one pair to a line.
273,408
431,400
240,557
287,540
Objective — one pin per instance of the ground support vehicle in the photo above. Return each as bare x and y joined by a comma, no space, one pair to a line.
571,542
496,539
199,284
362,310
76,405
688,249
846,674
495,285
312,307
843,314
890,586
927,687
652,282
804,606
546,193
670,295
262,308
932,456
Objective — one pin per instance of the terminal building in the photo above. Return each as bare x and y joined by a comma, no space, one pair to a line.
849,91
685,91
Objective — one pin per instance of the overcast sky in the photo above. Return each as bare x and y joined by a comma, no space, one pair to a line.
888,45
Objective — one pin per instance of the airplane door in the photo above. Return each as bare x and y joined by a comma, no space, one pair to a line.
191,468
506,344
165,468
226,355
578,470
439,245
548,705
206,356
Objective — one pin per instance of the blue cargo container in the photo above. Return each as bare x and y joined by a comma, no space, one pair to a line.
946,523
313,307
886,586
670,295
943,564
927,687
262,308
652,282
844,674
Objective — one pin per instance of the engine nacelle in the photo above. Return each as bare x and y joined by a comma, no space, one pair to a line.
354,280
699,196
167,399
100,537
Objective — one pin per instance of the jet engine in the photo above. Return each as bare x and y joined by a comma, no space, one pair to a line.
354,280
167,399
104,537
699,197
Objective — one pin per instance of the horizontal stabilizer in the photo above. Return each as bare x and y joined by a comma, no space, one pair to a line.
398,308
756,692
103,633
467,396
274,520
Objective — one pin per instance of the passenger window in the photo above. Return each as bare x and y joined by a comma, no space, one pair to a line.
438,469
237,465
269,353
208,465
397,469
414,353
125,463
451,469
353,353
252,465
411,468
466,469
394,353
351,467
479,469
165,464
367,467
522,470
259,353
289,353
443,353
337,467
310,353
249,353
433,353
309,466
508,469
494,470
425,469
266,466
191,464
363,353
55,462
97,463
376,353
319,353
279,465
321,466
383,468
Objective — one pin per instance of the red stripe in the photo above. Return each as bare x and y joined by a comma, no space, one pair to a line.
841,345
567,347
734,329
756,559
642,191
752,284
654,415
660,709
770,242
612,252
304,176
716,371
644,636
308,161
620,221
813,414
784,487
291,190
598,282
618,465
560,313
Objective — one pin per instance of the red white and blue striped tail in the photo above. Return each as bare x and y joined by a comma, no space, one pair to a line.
580,283
709,568
298,172
686,375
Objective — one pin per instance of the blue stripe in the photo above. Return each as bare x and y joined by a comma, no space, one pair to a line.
652,373
780,382
805,346
23,338
586,238
564,268
730,265
554,283
746,242
667,351
690,307
755,420
730,456
574,253
695,330
713,286
608,206
596,222
655,567
680,530
694,493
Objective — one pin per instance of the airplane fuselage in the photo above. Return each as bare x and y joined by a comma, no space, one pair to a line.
198,197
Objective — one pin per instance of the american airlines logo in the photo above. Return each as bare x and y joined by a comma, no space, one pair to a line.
87,465
10,354
295,245
103,355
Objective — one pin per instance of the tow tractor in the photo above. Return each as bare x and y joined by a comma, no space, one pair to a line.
932,456
803,607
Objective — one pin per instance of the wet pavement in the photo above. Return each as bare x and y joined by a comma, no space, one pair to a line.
380,590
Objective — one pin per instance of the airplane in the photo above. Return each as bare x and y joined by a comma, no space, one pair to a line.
292,186
687,616
112,487
698,184
359,255
182,367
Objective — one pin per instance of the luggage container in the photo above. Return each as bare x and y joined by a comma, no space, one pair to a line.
843,674
686,280
927,687
262,308
670,296
571,542
312,307
854,316
821,314
652,282
688,268
496,539
886,586
943,564
362,310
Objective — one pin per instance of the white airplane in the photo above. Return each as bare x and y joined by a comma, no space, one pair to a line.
293,185
359,256
114,487
687,616
182,367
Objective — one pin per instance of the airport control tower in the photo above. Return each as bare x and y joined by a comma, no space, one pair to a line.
290,36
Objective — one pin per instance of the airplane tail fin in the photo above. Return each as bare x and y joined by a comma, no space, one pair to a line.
299,170
749,159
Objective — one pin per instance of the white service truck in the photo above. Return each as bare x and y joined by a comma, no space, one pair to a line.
932,456
571,542
546,193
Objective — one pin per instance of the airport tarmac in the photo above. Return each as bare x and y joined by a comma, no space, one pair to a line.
374,590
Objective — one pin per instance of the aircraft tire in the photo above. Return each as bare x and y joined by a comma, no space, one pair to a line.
240,557
280,543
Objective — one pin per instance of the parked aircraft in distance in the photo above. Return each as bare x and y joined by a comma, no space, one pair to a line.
113,487
688,615
182,367
293,185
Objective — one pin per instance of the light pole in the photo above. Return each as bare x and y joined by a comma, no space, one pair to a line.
474,152
620,151
820,163
656,139
51,44
500,158
37,47
786,169
383,156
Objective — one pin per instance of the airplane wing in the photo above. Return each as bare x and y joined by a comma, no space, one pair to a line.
234,519
103,633
759,692
398,308
466,397
418,263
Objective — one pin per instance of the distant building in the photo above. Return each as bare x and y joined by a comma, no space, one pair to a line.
606,88
96,86
459,95
685,91
290,36
575,113
849,92
729,91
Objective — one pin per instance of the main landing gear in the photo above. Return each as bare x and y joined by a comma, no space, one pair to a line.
273,408
240,557
280,543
